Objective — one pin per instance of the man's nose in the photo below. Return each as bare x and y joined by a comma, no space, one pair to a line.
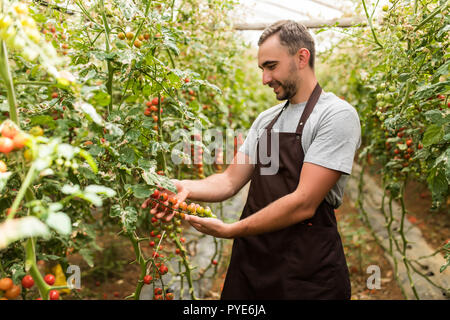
267,77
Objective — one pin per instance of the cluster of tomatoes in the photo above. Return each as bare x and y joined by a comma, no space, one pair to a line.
172,205
158,294
50,32
139,40
10,291
180,208
403,153
11,139
151,110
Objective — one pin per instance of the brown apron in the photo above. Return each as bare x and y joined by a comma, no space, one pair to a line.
302,261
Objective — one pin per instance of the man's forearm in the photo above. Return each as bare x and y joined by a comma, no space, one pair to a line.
280,214
214,188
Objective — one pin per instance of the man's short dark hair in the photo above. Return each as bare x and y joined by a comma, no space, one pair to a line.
292,35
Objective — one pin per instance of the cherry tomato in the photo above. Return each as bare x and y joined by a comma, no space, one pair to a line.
19,141
13,292
9,131
157,291
27,281
409,142
49,279
148,279
164,197
6,145
163,269
129,35
53,295
137,43
155,101
169,296
6,284
36,131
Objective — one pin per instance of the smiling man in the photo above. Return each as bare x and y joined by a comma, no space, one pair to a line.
286,243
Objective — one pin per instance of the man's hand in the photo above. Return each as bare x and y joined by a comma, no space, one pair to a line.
211,226
161,211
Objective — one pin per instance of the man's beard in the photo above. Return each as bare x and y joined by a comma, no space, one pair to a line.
289,86
289,89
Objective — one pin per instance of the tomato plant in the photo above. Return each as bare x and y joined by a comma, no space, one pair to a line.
400,86
90,103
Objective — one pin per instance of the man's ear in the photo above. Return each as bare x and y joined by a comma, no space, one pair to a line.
303,56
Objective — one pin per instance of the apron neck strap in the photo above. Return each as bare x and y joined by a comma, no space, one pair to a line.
309,108
270,125
313,98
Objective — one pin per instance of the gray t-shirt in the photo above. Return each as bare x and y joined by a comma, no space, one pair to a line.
331,136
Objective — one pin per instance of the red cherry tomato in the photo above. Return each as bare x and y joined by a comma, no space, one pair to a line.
49,279
27,281
6,145
53,295
9,131
148,279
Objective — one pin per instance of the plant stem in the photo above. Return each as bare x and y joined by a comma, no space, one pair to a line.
22,191
7,79
369,20
31,267
431,16
109,86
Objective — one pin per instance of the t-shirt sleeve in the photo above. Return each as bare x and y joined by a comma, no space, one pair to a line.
336,142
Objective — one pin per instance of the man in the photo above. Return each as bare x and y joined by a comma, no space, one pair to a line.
286,244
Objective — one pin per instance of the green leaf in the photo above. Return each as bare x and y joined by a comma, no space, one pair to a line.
21,228
153,179
127,156
91,112
433,135
88,256
438,184
100,190
128,216
66,150
114,129
60,222
146,164
141,191
133,135
43,121
68,189
115,211
89,160
100,98
95,151
435,117
129,219
4,176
